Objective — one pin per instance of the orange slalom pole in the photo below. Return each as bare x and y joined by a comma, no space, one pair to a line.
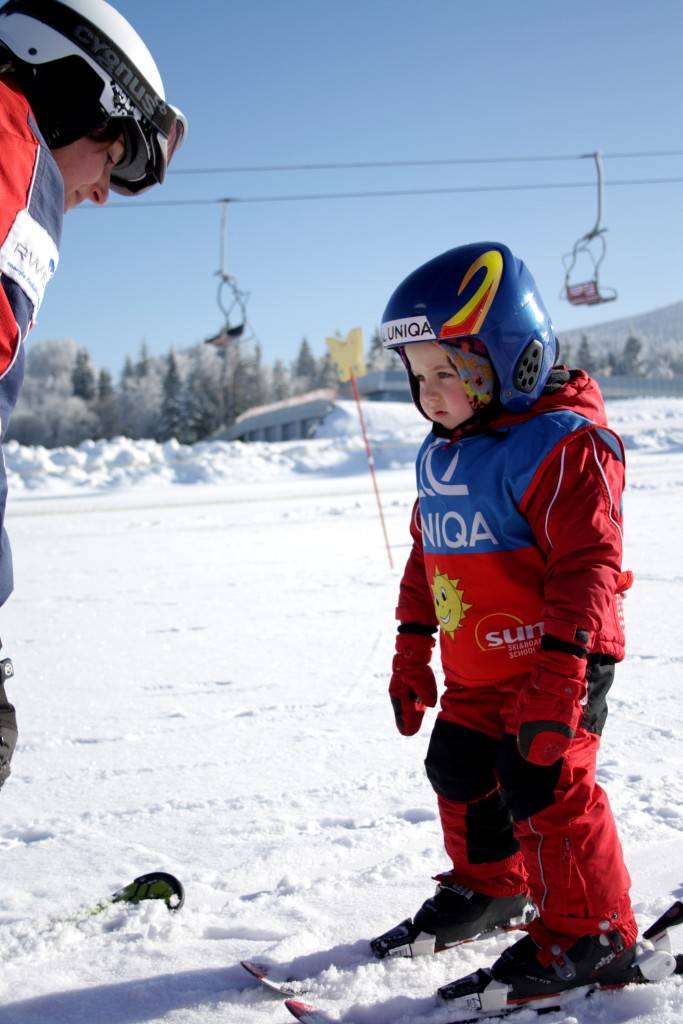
371,464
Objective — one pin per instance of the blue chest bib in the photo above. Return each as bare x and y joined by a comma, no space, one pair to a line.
470,491
483,565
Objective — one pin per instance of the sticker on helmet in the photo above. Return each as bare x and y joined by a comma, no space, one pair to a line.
470,317
412,328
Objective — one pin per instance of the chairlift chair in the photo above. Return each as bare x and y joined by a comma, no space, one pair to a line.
234,308
592,245
234,311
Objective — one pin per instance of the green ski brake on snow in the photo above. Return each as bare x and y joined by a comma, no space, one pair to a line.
157,885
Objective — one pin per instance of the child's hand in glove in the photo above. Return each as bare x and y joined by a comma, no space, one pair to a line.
413,687
550,706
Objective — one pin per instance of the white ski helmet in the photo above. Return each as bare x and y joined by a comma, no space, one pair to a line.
84,68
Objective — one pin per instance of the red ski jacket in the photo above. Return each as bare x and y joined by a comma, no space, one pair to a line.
517,532
31,212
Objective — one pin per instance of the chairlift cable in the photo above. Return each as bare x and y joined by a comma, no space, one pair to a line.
221,243
383,193
436,162
597,157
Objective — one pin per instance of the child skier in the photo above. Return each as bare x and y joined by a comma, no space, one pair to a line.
516,560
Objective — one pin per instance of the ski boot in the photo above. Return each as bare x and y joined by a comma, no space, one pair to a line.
453,915
528,973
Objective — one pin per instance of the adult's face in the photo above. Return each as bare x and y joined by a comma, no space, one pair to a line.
86,167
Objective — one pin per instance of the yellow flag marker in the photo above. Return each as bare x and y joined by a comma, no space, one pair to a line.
348,356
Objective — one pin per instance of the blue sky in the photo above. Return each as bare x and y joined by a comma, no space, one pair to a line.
326,81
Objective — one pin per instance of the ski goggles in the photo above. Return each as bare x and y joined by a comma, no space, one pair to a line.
147,152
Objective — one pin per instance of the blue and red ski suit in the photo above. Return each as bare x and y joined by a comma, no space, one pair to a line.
517,533
31,213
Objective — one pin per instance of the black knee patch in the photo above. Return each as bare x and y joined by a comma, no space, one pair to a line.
489,834
460,761
8,735
527,788
599,679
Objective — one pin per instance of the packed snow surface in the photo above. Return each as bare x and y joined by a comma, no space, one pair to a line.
202,640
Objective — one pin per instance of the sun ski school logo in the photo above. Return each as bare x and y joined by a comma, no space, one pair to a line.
502,631
448,602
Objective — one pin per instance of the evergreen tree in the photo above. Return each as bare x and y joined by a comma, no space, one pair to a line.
105,384
204,402
305,368
83,379
128,371
254,391
584,356
172,418
632,357
237,399
140,399
231,360
565,356
327,375
106,406
280,382
142,367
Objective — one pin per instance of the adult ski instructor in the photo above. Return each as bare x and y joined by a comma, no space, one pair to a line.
82,110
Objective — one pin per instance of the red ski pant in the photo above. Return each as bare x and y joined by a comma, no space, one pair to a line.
510,826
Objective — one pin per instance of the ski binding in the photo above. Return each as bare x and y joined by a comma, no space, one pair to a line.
487,997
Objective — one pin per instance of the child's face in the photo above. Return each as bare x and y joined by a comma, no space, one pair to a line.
442,395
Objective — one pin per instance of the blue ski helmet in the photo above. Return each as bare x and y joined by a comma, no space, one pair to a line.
479,292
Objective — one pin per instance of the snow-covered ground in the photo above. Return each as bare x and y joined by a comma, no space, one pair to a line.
202,639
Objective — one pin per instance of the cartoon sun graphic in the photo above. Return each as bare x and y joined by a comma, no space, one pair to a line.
448,602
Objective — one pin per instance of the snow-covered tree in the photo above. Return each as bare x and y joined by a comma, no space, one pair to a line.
380,358
140,400
280,382
632,362
47,411
304,369
172,420
584,356
84,377
106,406
204,393
327,375
143,366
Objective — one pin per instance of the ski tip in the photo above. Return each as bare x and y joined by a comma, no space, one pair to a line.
291,987
258,970
304,1012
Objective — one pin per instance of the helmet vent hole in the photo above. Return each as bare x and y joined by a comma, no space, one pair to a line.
32,50
528,367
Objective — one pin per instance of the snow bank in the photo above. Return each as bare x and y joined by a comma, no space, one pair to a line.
201,686
394,428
